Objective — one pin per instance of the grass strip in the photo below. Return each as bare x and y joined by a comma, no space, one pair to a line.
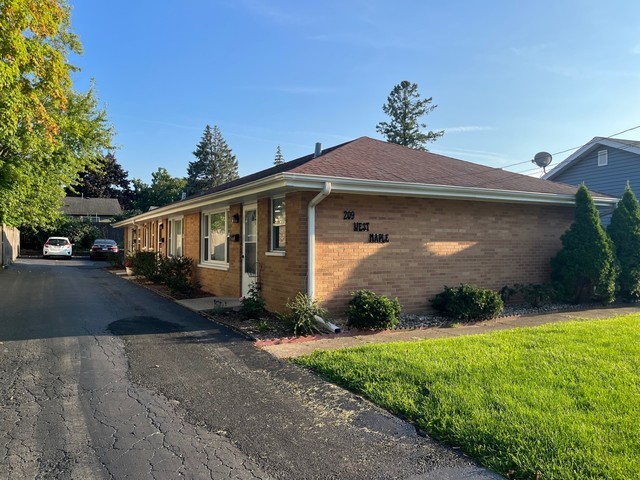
559,401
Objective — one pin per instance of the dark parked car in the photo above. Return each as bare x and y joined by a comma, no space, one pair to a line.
102,247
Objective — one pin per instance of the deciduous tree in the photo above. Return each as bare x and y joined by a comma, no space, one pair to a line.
163,190
48,131
405,108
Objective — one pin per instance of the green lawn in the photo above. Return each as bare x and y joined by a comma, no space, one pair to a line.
561,399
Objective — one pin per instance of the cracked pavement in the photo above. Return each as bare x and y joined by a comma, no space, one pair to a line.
101,378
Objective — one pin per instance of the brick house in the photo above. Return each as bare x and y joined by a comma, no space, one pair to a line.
364,214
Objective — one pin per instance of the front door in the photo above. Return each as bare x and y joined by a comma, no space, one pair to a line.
249,248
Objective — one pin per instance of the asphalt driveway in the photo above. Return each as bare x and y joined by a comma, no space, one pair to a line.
190,398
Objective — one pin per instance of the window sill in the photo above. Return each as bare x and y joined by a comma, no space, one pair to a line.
213,266
275,254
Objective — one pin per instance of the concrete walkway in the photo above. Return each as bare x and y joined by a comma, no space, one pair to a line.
287,348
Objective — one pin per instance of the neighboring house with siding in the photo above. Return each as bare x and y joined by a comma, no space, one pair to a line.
364,214
603,165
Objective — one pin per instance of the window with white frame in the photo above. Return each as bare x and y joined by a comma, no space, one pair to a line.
278,225
215,237
603,158
175,237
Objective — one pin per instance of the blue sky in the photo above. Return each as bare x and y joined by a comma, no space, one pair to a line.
510,78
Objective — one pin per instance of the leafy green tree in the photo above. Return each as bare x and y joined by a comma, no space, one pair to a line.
405,108
214,165
48,131
624,231
279,160
586,266
163,190
107,179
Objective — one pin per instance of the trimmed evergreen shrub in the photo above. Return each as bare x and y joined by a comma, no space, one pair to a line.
468,302
539,295
368,310
624,231
586,266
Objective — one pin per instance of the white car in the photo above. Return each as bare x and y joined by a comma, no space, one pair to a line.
57,247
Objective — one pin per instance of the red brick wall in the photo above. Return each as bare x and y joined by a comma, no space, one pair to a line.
432,243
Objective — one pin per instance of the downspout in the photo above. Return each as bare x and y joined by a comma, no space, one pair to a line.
311,255
311,247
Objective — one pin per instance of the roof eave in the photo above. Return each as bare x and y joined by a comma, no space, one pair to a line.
349,185
360,186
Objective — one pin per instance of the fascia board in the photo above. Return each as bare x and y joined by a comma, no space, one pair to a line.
236,193
349,185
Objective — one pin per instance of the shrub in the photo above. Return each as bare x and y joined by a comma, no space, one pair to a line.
468,302
624,230
586,266
176,272
539,295
302,313
368,310
252,303
145,264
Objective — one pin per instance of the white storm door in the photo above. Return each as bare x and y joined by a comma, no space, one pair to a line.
249,247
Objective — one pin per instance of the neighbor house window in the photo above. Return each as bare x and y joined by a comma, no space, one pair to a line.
602,158
175,237
215,237
278,224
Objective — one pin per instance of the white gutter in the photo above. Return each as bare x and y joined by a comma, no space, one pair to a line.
311,247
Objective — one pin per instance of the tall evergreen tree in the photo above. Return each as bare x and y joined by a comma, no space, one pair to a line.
279,160
586,266
405,109
214,164
624,230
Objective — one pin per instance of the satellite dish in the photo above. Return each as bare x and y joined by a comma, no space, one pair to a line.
542,159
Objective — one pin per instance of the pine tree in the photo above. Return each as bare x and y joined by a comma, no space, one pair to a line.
405,109
214,165
586,266
624,230
279,160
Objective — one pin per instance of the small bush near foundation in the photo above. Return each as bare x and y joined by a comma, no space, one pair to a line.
252,304
145,264
176,272
468,302
368,310
539,295
302,313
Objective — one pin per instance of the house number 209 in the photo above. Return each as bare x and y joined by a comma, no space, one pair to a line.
349,215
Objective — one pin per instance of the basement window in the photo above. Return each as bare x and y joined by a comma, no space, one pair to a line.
603,158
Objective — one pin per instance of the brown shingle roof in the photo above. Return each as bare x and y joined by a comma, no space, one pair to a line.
369,159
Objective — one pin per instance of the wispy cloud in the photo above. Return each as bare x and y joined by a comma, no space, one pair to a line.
467,129
266,9
529,50
376,42
493,159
